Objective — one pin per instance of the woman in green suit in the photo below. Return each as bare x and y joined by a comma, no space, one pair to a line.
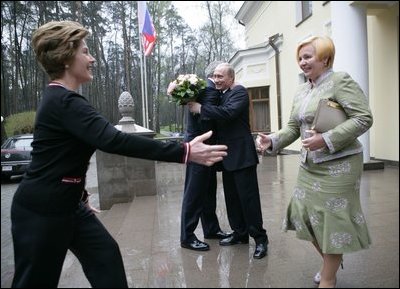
325,207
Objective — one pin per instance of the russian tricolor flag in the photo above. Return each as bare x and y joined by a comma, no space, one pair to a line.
146,28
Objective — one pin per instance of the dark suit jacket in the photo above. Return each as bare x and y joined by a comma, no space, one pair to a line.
197,125
68,130
233,128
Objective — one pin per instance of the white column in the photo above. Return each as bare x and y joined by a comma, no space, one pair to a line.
349,33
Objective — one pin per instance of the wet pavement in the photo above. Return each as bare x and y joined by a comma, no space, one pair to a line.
148,230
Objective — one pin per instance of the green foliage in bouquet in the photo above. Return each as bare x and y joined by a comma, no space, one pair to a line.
186,88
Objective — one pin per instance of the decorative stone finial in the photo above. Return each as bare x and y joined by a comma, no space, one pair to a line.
127,123
125,106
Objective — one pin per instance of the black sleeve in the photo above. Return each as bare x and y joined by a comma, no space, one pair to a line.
237,102
86,124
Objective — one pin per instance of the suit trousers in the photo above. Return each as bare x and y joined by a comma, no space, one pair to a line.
242,198
199,201
41,242
208,218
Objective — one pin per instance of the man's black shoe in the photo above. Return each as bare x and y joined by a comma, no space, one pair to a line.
196,245
233,240
218,235
260,251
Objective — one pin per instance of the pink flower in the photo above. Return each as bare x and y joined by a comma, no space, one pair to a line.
172,85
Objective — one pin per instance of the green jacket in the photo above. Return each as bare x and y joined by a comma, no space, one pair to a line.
342,140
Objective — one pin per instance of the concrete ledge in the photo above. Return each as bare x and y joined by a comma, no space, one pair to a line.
387,163
374,165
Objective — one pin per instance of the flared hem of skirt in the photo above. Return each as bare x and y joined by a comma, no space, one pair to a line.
324,251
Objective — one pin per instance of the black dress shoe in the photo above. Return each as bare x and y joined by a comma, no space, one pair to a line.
218,235
260,251
196,245
233,240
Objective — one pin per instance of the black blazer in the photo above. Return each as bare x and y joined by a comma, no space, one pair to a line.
195,123
68,130
233,128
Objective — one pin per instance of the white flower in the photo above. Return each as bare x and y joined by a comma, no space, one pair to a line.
193,79
185,88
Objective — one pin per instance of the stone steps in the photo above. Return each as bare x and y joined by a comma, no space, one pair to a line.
72,275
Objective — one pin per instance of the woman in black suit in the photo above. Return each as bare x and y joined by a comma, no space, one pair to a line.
50,212
239,168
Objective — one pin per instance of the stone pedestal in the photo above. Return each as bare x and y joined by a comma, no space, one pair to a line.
120,178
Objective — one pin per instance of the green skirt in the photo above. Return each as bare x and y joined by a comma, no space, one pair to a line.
325,206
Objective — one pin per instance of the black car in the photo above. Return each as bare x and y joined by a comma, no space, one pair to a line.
16,155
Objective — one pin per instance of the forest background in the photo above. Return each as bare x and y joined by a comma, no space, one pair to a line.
114,43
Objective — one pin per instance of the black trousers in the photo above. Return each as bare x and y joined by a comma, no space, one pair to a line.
199,201
242,198
41,242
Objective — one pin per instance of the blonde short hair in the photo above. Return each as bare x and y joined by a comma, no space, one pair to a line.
55,45
324,48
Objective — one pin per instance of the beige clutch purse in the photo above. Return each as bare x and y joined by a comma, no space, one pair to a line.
329,114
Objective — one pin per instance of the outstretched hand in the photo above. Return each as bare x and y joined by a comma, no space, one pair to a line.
263,142
204,154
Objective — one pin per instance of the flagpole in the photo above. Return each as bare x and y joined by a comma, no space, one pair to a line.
147,37
146,93
141,81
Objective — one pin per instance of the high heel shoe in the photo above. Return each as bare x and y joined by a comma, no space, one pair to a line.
317,277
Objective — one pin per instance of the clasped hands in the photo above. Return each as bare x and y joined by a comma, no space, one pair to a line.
314,142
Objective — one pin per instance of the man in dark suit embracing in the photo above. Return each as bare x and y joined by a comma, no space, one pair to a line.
199,199
239,168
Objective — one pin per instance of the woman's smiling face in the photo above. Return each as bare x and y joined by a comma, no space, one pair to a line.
309,63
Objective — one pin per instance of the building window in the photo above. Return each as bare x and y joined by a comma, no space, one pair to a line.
303,11
260,120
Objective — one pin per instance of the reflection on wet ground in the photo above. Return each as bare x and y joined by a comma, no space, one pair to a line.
148,233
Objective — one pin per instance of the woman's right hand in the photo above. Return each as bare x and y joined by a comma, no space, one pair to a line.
263,142
204,154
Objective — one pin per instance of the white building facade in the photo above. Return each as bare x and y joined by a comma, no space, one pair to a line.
366,36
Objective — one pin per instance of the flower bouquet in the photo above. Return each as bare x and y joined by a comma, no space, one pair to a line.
186,88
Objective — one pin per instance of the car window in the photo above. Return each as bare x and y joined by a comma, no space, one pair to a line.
23,144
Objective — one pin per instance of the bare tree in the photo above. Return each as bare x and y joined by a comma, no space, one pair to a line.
114,42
